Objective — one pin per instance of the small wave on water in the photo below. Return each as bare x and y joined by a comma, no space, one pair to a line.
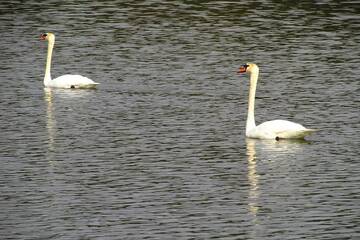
158,150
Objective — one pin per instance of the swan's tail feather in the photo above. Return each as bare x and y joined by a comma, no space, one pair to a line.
297,134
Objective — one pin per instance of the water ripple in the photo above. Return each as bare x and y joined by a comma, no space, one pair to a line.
158,150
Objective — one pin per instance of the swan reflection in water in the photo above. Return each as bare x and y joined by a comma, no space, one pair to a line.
253,177
261,152
65,96
50,123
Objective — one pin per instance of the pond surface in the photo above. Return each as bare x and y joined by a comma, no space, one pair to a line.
158,150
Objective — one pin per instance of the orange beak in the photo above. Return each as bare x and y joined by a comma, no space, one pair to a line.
42,37
242,69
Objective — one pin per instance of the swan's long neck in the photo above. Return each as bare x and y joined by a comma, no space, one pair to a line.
47,77
250,122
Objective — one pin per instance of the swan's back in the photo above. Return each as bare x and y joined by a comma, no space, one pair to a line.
278,129
279,126
72,81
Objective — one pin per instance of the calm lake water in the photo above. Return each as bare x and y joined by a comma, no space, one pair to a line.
158,150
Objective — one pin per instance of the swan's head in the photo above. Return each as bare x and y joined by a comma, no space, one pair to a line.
47,36
248,68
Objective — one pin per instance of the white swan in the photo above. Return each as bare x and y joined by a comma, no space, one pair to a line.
65,81
276,129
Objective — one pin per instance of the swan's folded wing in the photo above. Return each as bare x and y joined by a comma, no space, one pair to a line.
72,81
298,134
87,86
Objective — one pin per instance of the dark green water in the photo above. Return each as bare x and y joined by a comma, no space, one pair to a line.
158,150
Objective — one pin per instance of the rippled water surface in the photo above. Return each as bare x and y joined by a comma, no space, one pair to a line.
158,150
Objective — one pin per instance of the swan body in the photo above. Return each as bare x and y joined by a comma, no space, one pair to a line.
71,81
276,129
65,81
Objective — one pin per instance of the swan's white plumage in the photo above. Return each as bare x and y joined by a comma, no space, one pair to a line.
276,129
71,81
65,81
279,129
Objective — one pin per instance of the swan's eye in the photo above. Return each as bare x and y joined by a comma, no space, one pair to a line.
245,66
